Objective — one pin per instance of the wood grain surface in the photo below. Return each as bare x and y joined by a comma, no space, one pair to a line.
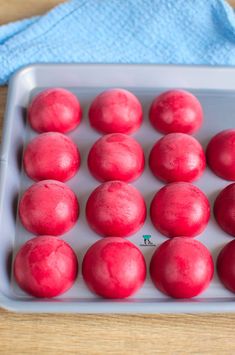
106,334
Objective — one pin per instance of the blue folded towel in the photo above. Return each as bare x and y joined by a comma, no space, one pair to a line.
122,31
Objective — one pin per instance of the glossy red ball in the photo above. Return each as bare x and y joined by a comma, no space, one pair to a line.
224,209
181,268
114,268
116,111
48,207
180,209
116,156
226,266
115,208
176,111
177,157
51,156
54,110
221,154
45,266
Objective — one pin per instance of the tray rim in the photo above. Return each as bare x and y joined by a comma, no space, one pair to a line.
105,306
122,307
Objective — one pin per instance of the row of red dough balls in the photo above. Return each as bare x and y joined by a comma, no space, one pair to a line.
113,267
119,111
117,156
116,208
115,111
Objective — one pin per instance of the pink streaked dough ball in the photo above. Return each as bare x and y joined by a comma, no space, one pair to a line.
226,266
45,267
116,111
114,268
176,111
180,209
177,157
116,156
221,154
181,268
224,209
51,156
54,110
115,209
48,207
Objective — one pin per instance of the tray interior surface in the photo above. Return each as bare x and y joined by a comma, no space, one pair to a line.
219,108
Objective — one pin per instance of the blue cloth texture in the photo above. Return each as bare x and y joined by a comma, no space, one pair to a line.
122,31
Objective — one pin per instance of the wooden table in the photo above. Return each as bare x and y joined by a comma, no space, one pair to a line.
107,334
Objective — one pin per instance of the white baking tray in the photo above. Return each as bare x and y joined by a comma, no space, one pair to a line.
215,88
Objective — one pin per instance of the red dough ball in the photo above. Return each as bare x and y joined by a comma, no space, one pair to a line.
45,267
224,209
226,266
181,268
180,209
177,157
54,110
115,209
221,154
114,268
116,111
48,207
51,156
176,111
116,157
